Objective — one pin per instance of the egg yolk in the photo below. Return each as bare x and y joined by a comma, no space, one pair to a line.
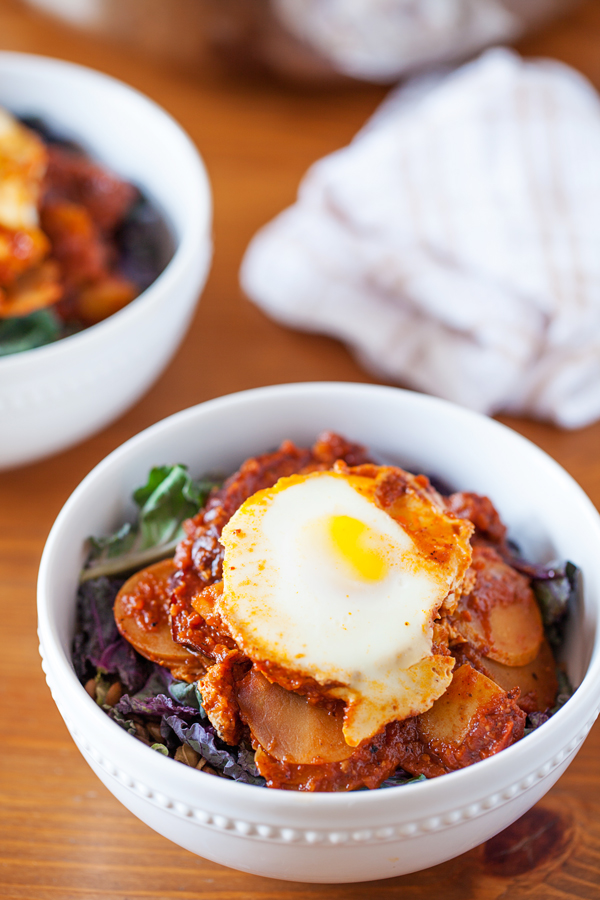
359,546
321,580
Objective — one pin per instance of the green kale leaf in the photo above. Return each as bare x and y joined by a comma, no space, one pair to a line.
27,332
169,497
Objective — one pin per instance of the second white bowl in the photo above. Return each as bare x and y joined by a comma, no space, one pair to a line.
56,395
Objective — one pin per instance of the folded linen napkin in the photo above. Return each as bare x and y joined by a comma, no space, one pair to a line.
455,243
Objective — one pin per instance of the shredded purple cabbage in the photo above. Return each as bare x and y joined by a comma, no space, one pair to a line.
534,720
98,644
401,777
234,762
158,705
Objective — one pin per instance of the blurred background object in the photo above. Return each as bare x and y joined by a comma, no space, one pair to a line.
54,396
381,40
453,243
314,41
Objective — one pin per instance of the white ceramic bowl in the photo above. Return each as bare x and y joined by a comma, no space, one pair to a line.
332,837
56,395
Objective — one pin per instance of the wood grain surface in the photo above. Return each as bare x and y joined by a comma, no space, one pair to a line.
62,834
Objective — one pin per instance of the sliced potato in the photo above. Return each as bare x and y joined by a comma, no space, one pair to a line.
474,719
142,615
287,726
517,632
451,717
536,681
500,617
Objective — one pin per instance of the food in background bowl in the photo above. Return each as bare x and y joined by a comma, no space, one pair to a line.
77,243
58,394
345,621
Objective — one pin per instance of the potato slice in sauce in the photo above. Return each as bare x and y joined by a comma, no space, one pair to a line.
287,726
536,681
142,615
474,719
500,617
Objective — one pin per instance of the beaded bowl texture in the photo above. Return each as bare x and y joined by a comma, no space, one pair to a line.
344,837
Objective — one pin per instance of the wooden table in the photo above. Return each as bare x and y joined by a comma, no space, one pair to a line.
63,836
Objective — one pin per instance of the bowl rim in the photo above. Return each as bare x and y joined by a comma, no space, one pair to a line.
187,248
566,721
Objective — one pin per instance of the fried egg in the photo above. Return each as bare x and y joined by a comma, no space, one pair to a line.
323,578
23,162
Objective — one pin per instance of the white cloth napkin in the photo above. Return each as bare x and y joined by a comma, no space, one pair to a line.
455,243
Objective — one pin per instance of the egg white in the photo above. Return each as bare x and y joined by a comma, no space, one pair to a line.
358,621
23,159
